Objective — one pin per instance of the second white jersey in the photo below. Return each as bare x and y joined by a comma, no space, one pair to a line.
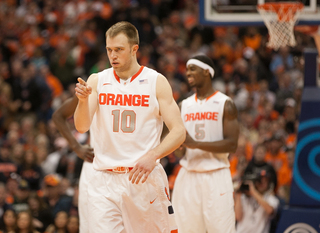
128,122
203,120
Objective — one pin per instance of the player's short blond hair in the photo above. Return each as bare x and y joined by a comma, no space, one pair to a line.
127,29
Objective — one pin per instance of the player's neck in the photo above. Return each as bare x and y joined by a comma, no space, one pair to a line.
126,74
205,91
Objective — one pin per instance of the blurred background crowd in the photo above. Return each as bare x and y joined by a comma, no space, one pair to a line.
45,45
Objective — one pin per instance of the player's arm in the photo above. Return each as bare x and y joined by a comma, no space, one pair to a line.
87,103
171,115
238,206
60,117
229,142
259,198
165,129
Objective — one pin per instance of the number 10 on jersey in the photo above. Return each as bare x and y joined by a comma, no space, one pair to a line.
126,120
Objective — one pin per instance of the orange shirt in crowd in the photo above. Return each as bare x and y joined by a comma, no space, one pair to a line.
54,84
279,160
291,140
233,160
31,42
55,39
284,175
106,11
222,49
252,42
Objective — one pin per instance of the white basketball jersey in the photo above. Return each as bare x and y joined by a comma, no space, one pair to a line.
203,120
128,122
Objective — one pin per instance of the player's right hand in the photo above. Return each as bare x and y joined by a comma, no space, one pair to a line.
83,90
189,142
85,152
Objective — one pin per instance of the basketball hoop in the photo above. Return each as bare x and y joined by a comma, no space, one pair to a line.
280,18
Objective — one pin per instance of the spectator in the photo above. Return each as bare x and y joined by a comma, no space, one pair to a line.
241,70
20,202
225,84
30,171
4,206
52,81
9,221
40,212
6,164
60,223
263,91
53,197
17,154
252,38
282,61
285,91
220,47
255,205
50,164
24,223
276,155
62,65
73,224
258,162
285,172
289,112
26,93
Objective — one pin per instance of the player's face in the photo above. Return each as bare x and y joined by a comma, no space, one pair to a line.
120,52
195,75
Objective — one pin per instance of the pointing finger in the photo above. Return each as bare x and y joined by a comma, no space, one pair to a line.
81,81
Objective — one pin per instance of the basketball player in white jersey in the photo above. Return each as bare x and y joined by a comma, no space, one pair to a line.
203,192
129,189
84,152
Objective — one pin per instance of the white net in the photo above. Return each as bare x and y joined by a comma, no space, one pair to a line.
280,20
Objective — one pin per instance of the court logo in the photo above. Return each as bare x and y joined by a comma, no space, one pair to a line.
306,167
300,228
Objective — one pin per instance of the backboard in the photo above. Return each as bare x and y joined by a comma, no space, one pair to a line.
244,12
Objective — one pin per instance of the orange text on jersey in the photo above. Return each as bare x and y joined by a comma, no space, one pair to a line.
124,99
201,116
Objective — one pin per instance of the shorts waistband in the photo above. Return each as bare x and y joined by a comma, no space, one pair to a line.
120,169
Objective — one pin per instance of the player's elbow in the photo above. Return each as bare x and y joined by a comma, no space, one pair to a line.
269,211
81,128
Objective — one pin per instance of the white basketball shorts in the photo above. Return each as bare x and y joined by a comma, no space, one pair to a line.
203,202
85,177
117,206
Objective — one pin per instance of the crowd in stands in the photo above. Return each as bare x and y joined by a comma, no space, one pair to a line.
45,45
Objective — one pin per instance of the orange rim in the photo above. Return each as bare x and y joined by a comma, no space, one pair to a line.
282,9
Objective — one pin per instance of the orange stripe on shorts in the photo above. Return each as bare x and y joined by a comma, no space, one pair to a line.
174,231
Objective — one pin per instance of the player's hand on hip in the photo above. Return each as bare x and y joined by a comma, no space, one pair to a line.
85,152
83,90
143,168
189,142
